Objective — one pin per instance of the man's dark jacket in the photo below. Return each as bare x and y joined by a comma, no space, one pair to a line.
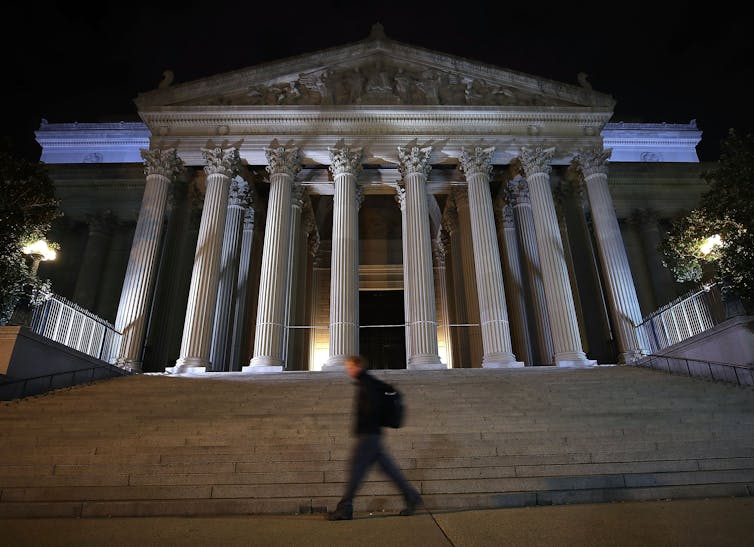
368,396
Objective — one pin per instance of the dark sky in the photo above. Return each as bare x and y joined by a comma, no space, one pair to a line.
66,63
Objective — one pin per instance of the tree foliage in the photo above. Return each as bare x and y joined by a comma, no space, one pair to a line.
27,207
726,210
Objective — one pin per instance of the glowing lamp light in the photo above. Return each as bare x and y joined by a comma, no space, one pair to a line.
709,244
41,249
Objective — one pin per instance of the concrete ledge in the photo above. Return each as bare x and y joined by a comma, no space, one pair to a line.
26,354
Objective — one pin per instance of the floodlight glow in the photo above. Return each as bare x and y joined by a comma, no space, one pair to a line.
41,250
709,244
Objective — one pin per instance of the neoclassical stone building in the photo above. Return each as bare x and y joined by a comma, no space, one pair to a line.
425,210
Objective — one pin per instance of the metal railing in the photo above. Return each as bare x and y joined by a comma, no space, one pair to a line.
66,322
684,317
741,375
36,385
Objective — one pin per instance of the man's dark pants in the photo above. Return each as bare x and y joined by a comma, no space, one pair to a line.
367,451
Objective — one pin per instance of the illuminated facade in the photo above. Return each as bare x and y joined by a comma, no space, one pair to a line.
424,210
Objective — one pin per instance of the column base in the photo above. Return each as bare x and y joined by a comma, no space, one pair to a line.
576,363
509,364
189,365
264,361
134,366
262,369
333,367
630,357
425,362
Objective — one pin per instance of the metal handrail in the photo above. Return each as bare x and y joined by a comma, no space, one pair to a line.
648,360
112,372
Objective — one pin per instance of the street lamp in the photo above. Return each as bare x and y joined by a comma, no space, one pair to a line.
39,251
709,244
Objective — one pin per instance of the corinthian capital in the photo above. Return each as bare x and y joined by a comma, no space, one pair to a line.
536,160
240,193
592,161
506,216
414,159
477,160
518,191
400,196
161,162
345,160
282,160
298,193
221,161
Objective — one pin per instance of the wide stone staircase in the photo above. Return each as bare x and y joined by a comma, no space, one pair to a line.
240,444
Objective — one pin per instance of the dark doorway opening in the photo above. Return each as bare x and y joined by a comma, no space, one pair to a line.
384,347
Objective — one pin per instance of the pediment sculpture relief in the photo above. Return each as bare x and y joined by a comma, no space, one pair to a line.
381,82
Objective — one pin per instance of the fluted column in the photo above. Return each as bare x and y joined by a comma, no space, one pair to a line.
439,249
621,292
493,313
160,166
222,166
242,282
472,328
93,261
558,294
268,340
518,191
400,198
459,335
344,269
229,260
297,202
514,283
414,167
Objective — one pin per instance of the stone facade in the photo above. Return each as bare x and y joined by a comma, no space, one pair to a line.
375,195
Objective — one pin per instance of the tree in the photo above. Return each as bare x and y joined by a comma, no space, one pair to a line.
716,241
27,207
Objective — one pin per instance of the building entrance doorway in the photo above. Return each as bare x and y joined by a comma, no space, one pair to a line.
384,347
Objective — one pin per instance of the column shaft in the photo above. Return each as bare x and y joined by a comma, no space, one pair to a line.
229,263
242,282
136,294
493,313
200,310
533,272
558,294
514,285
268,340
621,292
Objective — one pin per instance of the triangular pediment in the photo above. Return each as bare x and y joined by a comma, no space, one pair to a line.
376,71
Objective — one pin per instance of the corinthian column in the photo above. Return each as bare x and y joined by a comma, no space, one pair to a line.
514,282
621,292
414,167
268,341
493,314
242,282
222,165
400,198
229,260
160,166
518,192
344,265
559,297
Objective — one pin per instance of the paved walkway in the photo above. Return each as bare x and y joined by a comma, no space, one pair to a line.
683,523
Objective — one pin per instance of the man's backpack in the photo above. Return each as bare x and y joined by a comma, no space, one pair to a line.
391,406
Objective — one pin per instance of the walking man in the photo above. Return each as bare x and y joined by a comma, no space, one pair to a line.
368,448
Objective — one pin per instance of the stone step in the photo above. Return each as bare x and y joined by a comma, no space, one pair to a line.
280,443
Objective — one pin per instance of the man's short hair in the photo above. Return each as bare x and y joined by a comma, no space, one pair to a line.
359,361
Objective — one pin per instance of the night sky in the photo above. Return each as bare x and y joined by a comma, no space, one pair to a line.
68,63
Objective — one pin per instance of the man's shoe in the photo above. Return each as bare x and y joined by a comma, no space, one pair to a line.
340,514
410,508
